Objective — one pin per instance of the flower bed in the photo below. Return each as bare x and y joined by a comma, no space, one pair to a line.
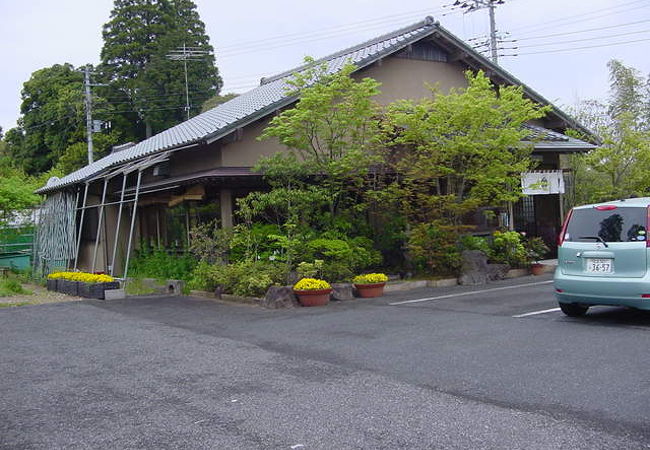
82,284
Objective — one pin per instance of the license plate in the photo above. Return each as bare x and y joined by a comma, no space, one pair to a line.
597,265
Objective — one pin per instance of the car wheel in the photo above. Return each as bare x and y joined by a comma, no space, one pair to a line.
573,309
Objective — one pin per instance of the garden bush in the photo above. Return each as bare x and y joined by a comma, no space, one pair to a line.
508,248
244,278
157,263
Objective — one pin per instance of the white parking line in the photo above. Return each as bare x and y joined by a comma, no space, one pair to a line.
534,313
462,294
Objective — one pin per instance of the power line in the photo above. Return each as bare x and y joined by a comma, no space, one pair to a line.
390,18
556,22
583,31
585,39
578,48
264,45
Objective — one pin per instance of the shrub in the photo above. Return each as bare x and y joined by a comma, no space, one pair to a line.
433,248
507,248
211,243
244,278
157,263
342,256
536,249
469,242
310,270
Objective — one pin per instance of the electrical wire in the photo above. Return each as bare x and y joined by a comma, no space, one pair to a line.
584,39
583,31
578,48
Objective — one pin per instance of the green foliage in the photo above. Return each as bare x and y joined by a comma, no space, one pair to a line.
464,148
342,256
310,270
16,192
508,248
244,278
10,287
469,242
616,169
157,263
137,38
211,243
137,286
433,249
536,249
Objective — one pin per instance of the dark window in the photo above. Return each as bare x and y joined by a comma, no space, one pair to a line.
627,224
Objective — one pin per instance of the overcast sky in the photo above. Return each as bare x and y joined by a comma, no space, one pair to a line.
257,38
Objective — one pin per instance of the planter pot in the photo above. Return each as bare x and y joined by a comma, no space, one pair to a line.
316,297
96,290
68,287
537,269
370,290
51,285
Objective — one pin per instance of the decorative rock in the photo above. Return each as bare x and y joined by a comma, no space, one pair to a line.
498,271
280,297
475,269
342,291
174,287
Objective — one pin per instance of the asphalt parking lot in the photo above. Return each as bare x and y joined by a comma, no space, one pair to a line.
488,367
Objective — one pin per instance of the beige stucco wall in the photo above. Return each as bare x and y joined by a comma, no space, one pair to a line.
246,151
400,78
407,78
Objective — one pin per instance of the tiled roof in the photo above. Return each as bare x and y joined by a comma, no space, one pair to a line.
544,138
271,95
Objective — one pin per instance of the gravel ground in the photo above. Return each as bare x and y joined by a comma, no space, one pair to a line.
39,296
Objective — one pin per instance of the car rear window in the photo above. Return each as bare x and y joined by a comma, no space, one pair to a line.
626,224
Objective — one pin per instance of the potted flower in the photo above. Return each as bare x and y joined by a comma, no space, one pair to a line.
84,284
536,249
370,284
312,292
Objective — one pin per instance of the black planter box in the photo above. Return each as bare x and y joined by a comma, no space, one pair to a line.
68,287
51,284
96,290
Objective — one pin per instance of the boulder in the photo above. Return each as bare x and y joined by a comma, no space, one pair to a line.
342,291
476,270
280,297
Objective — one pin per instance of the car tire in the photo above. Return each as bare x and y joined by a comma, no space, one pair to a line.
573,309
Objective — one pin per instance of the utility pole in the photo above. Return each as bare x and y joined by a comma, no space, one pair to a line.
185,54
89,114
474,5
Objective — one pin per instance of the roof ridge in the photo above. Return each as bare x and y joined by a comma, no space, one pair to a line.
427,21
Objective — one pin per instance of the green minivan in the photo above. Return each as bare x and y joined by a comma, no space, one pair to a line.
603,256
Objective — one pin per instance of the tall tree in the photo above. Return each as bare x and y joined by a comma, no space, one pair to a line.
463,149
618,168
51,118
52,124
137,39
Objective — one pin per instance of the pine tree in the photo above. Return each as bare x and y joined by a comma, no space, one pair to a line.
137,39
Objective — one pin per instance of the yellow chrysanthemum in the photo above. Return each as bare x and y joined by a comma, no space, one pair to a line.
370,278
311,284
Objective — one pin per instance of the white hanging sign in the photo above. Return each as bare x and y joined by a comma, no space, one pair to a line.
542,182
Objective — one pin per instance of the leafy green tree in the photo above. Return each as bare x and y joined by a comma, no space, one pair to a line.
137,38
618,167
51,118
16,191
53,121
332,134
462,150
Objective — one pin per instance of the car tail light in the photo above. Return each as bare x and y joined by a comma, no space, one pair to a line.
560,237
559,291
645,295
647,224
606,207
